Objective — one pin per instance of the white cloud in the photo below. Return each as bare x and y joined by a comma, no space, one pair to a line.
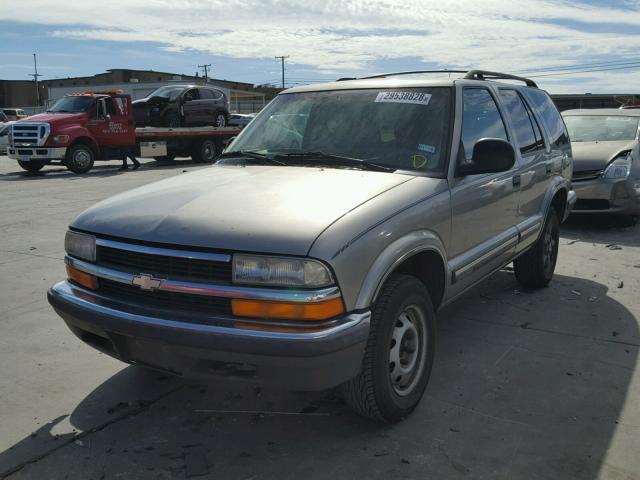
348,37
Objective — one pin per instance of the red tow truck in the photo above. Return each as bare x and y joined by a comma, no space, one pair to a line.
85,127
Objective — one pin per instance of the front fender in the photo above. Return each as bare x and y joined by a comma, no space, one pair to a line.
75,132
392,256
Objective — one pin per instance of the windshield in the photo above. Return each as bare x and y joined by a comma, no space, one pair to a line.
601,128
73,104
404,129
167,92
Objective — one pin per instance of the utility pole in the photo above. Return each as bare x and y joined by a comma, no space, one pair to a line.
35,78
282,60
206,75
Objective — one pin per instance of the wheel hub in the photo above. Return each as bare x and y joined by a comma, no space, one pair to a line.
82,159
406,353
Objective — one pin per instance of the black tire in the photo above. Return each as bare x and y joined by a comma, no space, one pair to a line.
171,120
32,166
79,159
205,152
220,120
373,393
534,269
165,158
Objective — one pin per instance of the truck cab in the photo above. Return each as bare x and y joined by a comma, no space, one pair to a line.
77,130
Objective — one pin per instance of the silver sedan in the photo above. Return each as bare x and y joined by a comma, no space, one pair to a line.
606,159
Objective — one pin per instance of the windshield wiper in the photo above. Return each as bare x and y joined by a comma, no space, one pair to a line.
331,159
248,154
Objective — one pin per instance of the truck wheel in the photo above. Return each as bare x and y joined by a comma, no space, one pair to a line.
32,166
399,353
205,152
221,120
534,269
172,120
79,159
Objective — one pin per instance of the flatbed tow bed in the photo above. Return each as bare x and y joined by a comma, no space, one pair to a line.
202,144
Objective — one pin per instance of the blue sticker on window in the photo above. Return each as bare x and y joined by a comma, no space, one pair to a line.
423,147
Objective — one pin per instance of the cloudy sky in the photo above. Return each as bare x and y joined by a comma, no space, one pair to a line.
551,40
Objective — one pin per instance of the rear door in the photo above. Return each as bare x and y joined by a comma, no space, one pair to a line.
191,107
531,152
485,206
208,106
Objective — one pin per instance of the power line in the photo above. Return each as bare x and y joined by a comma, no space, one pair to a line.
35,76
579,66
282,57
637,65
206,73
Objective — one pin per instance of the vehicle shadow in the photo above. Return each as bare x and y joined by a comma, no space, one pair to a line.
600,229
103,170
525,385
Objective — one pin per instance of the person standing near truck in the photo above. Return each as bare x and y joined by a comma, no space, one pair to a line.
125,152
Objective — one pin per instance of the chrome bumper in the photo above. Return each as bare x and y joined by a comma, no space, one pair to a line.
27,154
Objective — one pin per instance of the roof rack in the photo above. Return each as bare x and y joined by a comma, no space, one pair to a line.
413,73
487,75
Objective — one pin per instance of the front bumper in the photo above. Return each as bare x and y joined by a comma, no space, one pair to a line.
301,360
615,196
27,154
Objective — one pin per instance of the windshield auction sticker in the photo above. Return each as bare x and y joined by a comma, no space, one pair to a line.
417,98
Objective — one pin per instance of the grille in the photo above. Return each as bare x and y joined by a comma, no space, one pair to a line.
174,267
586,175
29,134
591,204
166,300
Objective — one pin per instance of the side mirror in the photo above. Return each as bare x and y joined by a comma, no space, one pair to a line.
490,155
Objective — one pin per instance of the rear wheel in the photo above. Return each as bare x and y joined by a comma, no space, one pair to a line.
79,159
399,352
32,166
535,268
205,152
221,120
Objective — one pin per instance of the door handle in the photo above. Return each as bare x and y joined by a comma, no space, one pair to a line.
516,180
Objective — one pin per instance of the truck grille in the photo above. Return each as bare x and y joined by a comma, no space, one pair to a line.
165,266
29,134
182,303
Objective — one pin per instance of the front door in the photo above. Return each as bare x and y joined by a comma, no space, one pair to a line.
113,124
485,206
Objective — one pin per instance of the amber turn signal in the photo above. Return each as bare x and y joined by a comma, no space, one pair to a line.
287,311
81,278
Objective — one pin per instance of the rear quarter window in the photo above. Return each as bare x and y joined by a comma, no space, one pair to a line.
547,111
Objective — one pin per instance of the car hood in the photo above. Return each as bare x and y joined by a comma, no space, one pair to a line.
266,209
57,118
596,155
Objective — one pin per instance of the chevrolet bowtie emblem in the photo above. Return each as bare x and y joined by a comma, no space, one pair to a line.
147,282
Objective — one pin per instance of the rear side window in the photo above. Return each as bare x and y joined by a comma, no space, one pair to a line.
525,126
550,116
480,119
206,94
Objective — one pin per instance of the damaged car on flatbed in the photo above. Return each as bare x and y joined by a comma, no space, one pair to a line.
316,252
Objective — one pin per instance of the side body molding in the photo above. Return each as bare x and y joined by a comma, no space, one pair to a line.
392,256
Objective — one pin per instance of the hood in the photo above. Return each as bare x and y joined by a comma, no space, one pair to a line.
596,155
57,118
141,102
265,209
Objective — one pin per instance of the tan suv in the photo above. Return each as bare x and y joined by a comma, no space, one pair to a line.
316,252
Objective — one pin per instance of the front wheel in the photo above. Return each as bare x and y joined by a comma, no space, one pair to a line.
79,159
221,120
535,268
32,166
399,352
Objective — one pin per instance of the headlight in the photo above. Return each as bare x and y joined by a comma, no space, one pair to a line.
61,138
620,167
280,271
80,245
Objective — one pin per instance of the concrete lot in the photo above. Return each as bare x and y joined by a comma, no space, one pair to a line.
526,385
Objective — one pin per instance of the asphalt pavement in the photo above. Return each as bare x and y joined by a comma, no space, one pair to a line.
525,385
